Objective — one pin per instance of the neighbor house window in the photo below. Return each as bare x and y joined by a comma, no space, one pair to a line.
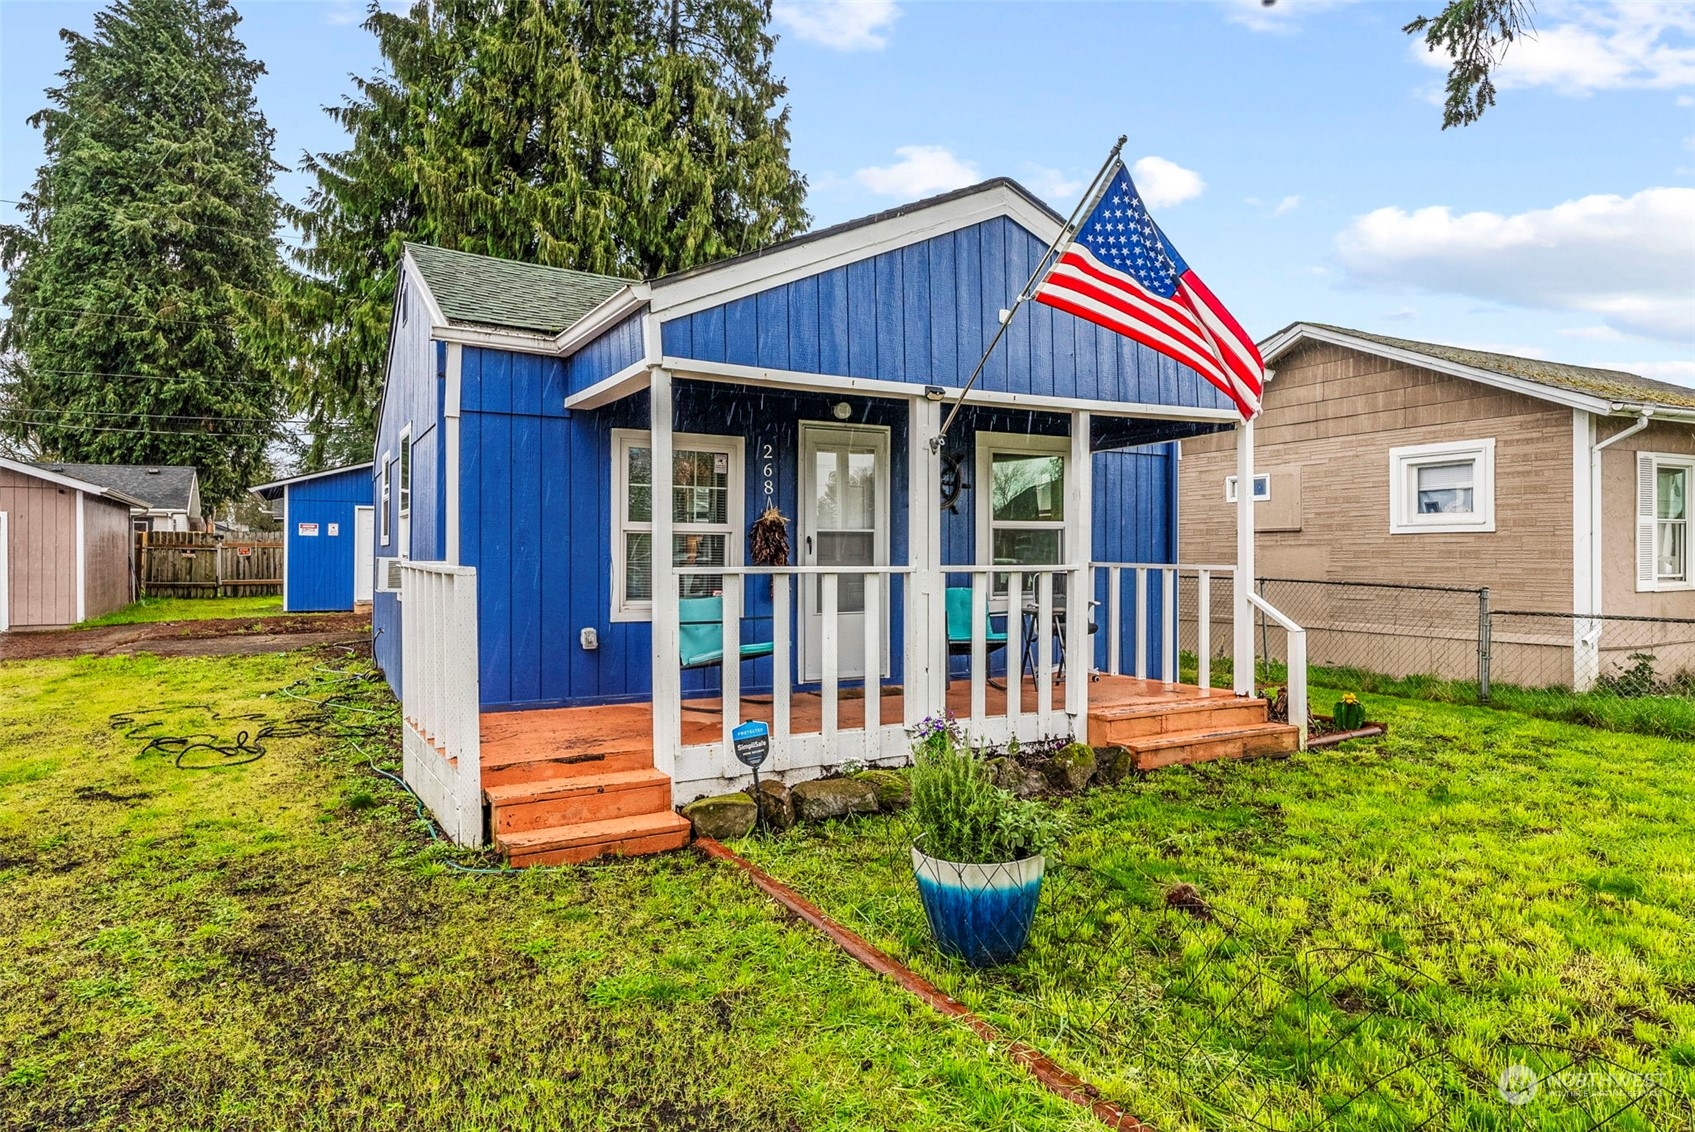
1262,488
1021,503
383,493
706,514
1442,488
1662,521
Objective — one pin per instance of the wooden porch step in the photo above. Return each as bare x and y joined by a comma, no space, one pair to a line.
577,798
1154,751
1117,724
576,843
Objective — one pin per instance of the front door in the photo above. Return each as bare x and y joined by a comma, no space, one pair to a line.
844,521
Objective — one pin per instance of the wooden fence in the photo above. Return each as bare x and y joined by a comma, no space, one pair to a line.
202,564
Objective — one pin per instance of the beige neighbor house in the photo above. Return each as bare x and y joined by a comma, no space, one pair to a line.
64,548
1564,489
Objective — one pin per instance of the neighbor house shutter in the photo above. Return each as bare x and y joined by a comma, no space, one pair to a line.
1646,540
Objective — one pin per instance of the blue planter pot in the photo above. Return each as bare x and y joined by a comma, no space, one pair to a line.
979,913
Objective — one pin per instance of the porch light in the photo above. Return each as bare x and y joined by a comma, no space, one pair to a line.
841,410
934,393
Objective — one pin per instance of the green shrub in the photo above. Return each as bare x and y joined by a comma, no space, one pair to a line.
959,814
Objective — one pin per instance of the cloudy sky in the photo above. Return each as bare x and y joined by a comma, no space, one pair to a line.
1294,154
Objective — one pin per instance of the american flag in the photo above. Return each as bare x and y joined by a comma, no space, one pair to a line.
1120,272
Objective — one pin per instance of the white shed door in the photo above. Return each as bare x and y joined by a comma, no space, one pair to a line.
364,552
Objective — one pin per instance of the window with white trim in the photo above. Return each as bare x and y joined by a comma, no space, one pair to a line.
1442,488
383,494
1021,502
1262,488
1662,521
405,493
706,515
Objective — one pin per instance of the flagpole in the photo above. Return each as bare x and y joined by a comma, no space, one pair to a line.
1096,187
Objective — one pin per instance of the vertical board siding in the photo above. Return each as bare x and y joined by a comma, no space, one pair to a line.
1135,520
108,555
618,348
41,559
318,575
536,522
923,314
412,395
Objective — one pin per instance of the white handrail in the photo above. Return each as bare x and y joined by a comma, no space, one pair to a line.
1168,639
1297,662
1036,581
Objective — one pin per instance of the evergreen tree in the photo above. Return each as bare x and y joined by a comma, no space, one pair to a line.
147,254
628,137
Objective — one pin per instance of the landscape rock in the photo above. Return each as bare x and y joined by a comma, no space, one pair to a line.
724,817
1009,774
825,798
893,789
776,804
1113,764
1071,768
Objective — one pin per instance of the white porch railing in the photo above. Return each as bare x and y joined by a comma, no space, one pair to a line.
1168,640
1295,683
440,700
876,739
1036,620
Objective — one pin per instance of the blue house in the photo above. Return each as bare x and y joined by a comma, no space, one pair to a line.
328,520
568,467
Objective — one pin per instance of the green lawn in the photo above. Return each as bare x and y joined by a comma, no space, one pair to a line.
271,946
187,609
1394,923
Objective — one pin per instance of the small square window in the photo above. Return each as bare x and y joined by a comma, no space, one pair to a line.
1262,488
1442,488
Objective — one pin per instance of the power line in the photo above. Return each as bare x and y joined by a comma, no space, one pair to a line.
215,434
129,415
19,371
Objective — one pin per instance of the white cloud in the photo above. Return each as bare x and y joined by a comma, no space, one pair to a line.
1052,185
1402,314
1287,204
1163,182
1626,260
1686,100
1580,48
922,170
1592,333
1279,17
846,25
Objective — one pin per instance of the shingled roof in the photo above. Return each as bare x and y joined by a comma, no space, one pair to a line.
1608,384
161,487
483,290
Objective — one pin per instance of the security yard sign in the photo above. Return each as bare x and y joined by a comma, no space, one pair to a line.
752,742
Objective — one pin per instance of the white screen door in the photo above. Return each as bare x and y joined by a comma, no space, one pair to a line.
364,553
844,521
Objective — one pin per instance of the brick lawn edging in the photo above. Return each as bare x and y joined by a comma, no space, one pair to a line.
1039,1065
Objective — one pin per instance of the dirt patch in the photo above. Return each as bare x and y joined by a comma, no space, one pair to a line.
233,636
90,794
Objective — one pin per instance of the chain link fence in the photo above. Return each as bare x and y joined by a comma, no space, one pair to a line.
1453,635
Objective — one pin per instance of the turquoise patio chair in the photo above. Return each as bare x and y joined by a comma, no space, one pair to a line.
701,640
959,626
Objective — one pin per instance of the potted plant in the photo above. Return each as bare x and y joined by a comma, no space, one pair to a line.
977,850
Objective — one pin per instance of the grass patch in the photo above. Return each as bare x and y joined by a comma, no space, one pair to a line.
151,609
1392,923
1662,716
274,945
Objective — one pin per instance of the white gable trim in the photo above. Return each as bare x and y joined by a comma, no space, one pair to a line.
304,476
76,484
410,267
697,291
1279,344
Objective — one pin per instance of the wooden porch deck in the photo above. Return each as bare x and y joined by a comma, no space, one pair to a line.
570,784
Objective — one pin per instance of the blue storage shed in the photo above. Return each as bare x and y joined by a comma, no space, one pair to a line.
328,537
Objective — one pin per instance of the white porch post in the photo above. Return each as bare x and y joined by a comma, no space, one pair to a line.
667,674
926,608
1242,657
1079,510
